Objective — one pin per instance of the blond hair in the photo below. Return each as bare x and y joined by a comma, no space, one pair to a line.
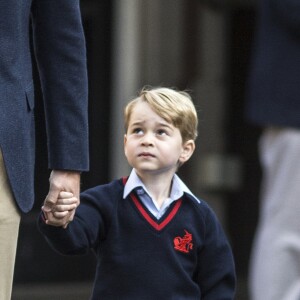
176,107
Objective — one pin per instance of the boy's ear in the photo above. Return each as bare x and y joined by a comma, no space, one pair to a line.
125,141
188,149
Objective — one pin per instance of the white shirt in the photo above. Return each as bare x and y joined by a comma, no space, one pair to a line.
178,188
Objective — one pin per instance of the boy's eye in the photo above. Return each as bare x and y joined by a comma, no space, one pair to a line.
161,132
137,131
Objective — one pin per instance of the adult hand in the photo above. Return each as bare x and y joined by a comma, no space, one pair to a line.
60,213
61,180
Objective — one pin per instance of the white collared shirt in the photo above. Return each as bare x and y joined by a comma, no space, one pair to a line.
177,191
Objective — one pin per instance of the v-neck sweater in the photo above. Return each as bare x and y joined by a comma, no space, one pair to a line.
182,256
177,190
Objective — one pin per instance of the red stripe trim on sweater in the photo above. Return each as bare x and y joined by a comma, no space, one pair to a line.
145,214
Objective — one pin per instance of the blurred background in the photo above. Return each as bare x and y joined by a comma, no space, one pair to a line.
200,46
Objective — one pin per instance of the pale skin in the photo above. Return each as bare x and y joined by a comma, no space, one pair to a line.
65,203
154,147
62,181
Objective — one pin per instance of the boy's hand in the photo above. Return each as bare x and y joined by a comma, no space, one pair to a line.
61,180
60,212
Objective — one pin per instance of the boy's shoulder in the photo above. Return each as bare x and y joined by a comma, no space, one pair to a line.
113,188
201,207
102,197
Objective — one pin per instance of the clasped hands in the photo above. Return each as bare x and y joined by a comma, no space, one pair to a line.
63,198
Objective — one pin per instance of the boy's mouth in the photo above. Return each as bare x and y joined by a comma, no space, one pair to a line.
146,154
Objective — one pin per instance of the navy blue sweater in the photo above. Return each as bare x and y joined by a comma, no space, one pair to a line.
183,256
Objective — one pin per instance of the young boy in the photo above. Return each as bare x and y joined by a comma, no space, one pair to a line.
153,238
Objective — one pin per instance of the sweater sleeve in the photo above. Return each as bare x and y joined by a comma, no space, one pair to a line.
88,228
216,275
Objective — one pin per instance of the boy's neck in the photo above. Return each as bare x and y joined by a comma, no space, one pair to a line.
159,187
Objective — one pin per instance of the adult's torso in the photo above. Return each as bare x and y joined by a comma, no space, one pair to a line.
274,80
17,97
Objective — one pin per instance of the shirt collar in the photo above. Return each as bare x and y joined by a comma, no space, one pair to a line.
178,186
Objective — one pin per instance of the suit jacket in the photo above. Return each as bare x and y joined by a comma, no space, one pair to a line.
274,82
59,50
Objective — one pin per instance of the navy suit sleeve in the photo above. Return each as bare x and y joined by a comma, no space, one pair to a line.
59,47
216,277
288,13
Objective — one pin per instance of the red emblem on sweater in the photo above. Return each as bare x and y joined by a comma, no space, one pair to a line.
184,244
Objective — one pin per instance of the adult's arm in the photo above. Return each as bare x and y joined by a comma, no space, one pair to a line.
60,52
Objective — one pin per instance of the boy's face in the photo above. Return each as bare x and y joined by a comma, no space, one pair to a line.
153,145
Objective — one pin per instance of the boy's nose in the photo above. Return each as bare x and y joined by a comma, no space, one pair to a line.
147,140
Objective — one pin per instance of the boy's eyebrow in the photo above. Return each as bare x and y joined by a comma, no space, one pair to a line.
137,123
168,125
